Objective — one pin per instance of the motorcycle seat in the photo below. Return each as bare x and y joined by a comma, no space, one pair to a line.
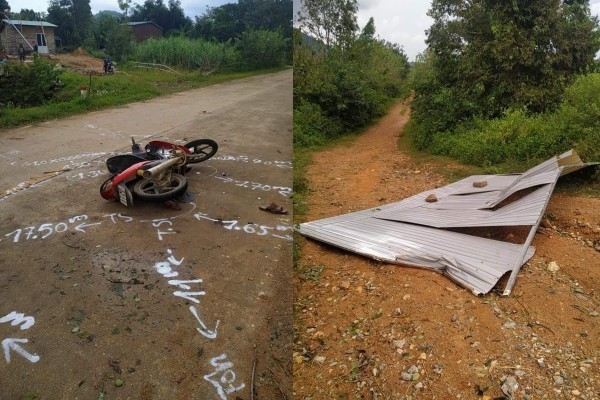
121,162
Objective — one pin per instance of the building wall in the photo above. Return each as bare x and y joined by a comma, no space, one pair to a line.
11,38
146,31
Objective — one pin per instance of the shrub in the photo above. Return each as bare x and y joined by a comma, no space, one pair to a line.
519,138
29,85
262,48
311,127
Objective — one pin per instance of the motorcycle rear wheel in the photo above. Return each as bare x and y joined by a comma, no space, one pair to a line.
146,190
202,150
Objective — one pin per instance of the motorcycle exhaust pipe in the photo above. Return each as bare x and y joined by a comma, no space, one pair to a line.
152,172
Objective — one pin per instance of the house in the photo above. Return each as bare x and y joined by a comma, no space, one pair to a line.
145,30
14,31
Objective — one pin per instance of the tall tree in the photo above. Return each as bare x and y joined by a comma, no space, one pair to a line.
329,21
520,53
82,17
4,8
169,17
74,20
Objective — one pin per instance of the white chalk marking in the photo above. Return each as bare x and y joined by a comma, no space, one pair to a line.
18,318
11,344
204,331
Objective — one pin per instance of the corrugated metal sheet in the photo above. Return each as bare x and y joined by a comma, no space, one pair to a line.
413,231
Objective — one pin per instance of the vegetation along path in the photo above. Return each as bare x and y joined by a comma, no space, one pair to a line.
370,330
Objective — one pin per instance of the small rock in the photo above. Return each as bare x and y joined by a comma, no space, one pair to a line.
594,314
437,368
432,198
419,386
345,285
510,324
406,376
413,369
397,312
320,359
519,373
262,295
406,297
454,318
575,392
541,363
553,266
399,343
510,387
423,356
558,380
480,184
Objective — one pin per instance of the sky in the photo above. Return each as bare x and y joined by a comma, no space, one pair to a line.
405,21
399,21
190,7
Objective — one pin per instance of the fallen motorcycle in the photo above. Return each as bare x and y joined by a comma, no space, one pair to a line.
155,174
196,151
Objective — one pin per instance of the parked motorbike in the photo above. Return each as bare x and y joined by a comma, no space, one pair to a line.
155,174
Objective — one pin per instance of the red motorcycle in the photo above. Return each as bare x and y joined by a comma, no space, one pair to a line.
155,174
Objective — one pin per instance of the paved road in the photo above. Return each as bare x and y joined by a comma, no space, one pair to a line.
173,304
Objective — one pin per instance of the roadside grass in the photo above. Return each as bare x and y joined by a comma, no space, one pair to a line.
126,86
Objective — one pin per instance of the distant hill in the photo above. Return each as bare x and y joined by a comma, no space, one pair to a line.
109,12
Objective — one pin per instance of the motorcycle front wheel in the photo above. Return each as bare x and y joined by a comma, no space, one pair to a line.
147,190
202,150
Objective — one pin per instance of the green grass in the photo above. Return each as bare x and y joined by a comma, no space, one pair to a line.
126,86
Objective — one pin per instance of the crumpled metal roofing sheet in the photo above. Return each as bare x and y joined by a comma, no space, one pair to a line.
413,231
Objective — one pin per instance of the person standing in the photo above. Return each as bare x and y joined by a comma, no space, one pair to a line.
21,51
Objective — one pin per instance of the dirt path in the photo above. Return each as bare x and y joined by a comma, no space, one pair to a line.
367,330
102,301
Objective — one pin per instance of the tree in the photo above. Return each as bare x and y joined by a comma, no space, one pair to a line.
368,31
329,21
74,20
492,56
3,7
82,18
169,18
124,5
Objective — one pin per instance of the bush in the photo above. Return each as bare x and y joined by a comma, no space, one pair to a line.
518,138
262,48
24,85
311,127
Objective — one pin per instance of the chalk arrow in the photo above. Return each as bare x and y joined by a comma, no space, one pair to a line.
204,331
81,227
11,344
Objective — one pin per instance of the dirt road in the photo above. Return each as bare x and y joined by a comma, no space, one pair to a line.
366,330
103,301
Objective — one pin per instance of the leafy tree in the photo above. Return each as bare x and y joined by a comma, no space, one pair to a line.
59,14
125,5
82,16
329,21
112,35
26,15
74,20
368,31
169,17
492,56
3,7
